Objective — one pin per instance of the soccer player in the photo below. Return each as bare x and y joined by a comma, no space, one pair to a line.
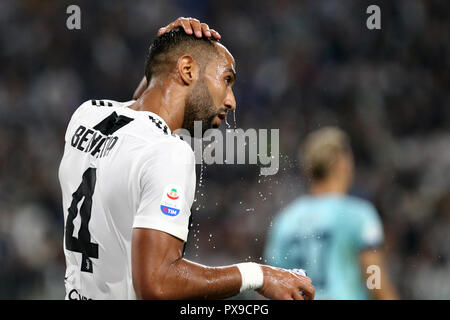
334,236
128,182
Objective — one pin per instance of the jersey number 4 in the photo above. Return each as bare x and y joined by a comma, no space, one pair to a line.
83,243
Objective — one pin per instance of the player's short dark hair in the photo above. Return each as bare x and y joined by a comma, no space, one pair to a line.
167,48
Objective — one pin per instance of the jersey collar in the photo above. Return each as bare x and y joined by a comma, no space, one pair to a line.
159,122
154,118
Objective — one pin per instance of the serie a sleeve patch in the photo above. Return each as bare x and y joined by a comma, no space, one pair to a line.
171,200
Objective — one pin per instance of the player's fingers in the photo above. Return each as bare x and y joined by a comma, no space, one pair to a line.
205,30
190,25
308,291
185,23
169,27
296,295
302,278
305,285
195,24
180,22
286,296
215,34
161,31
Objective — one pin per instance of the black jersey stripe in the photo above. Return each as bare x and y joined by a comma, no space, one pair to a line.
112,123
101,103
159,124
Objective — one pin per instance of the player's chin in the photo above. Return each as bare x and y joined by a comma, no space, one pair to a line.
215,123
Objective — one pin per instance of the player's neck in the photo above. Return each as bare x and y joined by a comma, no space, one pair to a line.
163,99
329,186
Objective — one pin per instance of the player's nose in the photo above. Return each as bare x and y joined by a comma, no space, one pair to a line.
230,101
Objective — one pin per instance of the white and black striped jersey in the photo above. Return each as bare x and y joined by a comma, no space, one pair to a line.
121,169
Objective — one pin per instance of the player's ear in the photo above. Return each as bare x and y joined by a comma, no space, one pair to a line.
187,69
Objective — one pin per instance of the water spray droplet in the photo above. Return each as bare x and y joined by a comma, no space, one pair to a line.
226,122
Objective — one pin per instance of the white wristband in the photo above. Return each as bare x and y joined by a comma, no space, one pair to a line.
252,276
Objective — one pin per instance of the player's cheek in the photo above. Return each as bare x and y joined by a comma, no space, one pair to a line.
218,91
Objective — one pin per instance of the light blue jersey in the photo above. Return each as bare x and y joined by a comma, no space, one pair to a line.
324,235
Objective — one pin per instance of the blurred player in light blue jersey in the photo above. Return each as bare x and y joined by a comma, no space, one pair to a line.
335,237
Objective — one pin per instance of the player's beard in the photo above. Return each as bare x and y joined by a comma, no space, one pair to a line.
199,106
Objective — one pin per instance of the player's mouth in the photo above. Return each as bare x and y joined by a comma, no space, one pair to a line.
218,119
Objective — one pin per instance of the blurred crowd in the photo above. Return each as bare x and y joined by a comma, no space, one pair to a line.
301,65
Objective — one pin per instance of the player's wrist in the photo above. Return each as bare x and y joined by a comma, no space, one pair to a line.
252,276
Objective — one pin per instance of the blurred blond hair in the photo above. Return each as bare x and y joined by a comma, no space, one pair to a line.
321,150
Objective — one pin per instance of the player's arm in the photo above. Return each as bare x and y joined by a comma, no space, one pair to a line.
160,272
370,238
166,183
371,257
190,26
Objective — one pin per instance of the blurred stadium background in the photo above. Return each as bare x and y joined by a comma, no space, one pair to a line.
301,65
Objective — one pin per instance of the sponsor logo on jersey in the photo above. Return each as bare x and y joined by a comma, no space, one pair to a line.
170,202
170,211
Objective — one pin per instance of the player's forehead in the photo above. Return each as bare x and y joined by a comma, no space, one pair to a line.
225,60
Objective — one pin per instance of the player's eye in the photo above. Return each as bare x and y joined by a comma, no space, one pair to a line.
228,79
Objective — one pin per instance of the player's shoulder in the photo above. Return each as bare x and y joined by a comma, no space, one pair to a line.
107,103
291,211
298,205
98,103
360,210
170,149
359,204
175,144
152,134
86,108
365,222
